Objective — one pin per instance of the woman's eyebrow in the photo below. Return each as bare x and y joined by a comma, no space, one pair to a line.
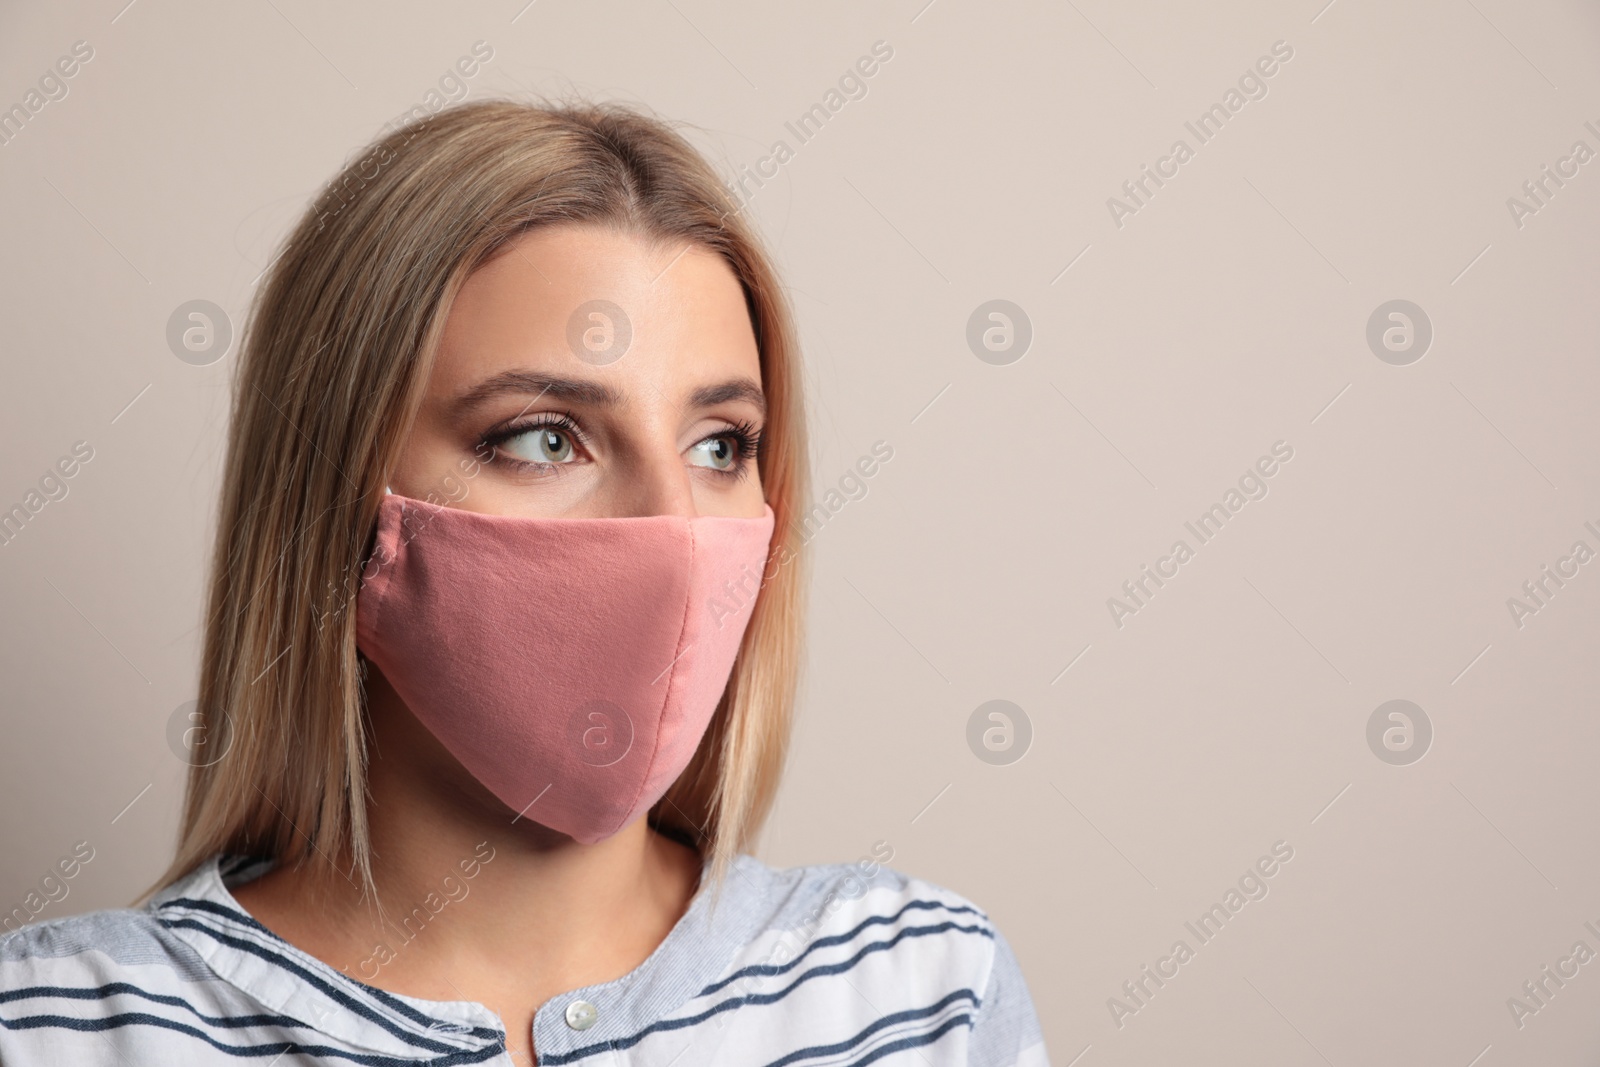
595,394
734,389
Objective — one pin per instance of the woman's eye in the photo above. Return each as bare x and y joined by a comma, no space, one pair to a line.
720,453
543,444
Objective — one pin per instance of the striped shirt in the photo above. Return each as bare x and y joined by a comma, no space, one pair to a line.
817,966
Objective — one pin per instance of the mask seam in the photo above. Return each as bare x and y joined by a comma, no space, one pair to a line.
672,676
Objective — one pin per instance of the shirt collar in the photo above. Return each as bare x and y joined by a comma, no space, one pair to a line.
694,954
200,910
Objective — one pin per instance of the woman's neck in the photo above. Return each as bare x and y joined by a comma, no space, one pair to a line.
477,904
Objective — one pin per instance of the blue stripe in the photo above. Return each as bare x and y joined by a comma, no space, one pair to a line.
890,1020
912,1042
767,969
363,1010
115,1022
554,1059
113,988
398,1007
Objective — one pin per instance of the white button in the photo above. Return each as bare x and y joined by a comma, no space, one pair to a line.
581,1015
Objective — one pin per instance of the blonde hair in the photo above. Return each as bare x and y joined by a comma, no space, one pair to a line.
334,364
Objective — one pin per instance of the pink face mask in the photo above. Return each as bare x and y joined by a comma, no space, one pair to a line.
571,665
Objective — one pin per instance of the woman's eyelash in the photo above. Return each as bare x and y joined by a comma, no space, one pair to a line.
551,420
745,435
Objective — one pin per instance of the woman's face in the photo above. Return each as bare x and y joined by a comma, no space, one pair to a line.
530,379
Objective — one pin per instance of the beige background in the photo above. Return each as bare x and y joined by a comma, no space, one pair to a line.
1228,313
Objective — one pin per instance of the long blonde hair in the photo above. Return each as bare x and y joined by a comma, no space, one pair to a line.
334,364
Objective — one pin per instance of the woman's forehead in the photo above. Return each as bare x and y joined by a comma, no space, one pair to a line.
587,302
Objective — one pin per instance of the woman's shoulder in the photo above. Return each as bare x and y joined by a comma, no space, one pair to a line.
92,948
871,891
77,971
867,936
139,947
913,922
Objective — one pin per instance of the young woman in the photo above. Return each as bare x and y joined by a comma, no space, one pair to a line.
500,653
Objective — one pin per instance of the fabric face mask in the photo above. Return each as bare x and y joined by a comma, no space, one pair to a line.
570,665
